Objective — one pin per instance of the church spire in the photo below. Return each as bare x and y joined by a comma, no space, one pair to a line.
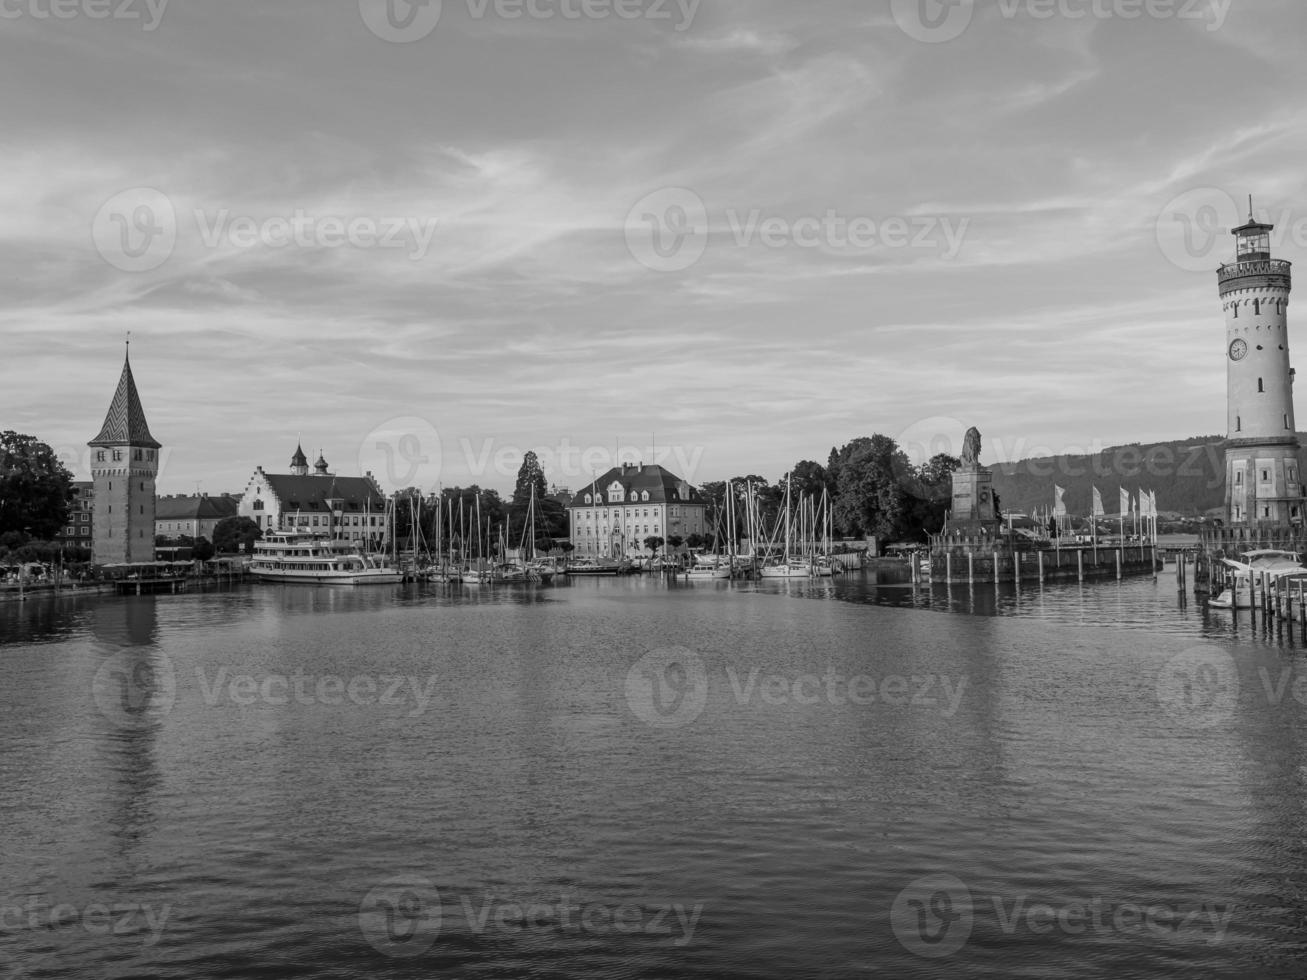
125,423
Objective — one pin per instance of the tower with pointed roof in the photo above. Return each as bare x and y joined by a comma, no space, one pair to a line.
1263,484
299,463
124,466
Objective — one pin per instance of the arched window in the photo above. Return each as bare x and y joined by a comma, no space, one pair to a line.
258,505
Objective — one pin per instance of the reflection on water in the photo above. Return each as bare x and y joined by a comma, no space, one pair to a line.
752,779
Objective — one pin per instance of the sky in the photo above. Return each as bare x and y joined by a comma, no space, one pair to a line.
724,235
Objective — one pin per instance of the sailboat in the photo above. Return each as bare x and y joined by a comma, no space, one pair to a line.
790,566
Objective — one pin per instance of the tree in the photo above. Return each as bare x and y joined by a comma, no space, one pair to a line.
202,549
695,541
236,535
530,477
36,489
653,543
674,541
809,478
930,494
872,498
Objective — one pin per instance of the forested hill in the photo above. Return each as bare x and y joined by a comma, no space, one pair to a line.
1188,475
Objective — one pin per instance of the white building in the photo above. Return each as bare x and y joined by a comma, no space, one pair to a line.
349,508
612,517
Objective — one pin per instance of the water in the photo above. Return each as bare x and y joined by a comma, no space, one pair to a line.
628,779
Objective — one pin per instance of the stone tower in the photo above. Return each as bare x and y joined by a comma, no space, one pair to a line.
124,465
1262,483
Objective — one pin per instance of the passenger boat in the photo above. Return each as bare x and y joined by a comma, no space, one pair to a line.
308,559
1248,572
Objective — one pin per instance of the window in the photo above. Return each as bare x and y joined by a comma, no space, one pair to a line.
1261,387
258,505
139,455
1266,476
1238,424
117,455
99,456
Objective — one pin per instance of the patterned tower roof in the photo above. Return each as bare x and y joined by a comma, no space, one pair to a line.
125,424
299,459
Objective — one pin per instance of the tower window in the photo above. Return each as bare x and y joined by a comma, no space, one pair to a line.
1238,423
1261,386
1238,478
1257,306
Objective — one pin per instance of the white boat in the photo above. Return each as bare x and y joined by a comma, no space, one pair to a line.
794,568
709,567
309,559
1248,573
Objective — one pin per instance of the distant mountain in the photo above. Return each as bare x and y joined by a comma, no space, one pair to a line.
1188,475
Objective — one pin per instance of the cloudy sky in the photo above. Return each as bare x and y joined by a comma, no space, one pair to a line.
427,238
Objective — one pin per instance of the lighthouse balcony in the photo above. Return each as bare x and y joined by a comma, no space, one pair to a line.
1258,273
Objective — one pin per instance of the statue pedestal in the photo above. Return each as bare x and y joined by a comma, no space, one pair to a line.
973,496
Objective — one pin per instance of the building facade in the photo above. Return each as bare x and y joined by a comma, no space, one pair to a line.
81,517
1263,483
612,517
346,508
124,466
192,517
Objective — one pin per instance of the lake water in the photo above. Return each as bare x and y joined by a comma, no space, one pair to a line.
627,778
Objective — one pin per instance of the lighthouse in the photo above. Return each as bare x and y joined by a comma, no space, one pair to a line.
1262,483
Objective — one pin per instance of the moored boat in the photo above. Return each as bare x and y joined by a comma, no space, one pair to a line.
307,559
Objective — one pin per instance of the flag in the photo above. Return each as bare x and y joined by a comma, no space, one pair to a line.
1152,503
1059,504
1098,503
1125,502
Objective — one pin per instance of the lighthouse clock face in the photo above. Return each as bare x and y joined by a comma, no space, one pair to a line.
1238,350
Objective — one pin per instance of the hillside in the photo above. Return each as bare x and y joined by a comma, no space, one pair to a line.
1188,475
